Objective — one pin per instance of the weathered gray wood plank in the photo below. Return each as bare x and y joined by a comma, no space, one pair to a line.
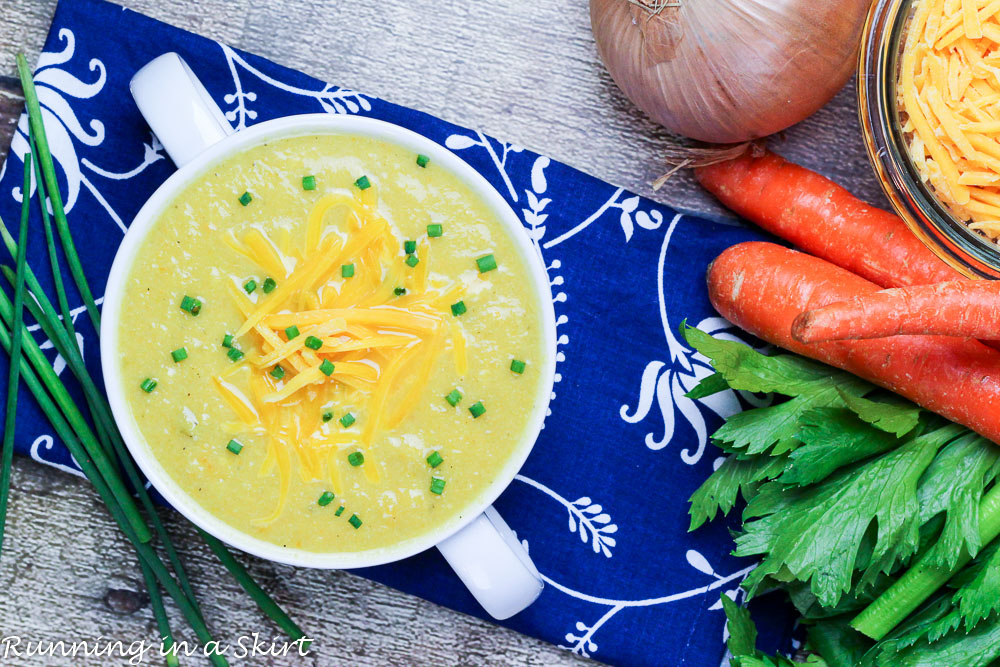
524,71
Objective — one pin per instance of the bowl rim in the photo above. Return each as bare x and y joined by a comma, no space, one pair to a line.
144,221
945,235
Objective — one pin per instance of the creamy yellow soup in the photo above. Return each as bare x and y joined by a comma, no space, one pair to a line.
380,371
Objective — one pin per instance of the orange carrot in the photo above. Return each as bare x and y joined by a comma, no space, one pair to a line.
957,308
762,287
824,219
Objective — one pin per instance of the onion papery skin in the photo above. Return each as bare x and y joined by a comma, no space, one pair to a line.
727,71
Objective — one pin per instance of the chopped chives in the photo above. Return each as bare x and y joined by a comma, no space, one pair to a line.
363,183
399,291
437,485
434,460
477,409
340,510
434,231
234,447
308,182
347,420
411,260
517,366
458,308
327,416
346,270
355,458
269,285
326,368
148,385
227,340
422,160
355,521
409,247
453,397
245,198
191,305
486,263
249,286
234,354
314,343
325,499
277,372
180,354
291,332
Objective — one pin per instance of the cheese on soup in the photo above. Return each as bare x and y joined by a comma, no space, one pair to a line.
331,344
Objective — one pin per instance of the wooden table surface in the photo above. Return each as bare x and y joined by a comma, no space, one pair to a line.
523,71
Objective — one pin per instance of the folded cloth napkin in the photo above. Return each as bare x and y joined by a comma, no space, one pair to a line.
601,503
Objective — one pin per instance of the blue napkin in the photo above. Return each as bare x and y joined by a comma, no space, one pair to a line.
601,503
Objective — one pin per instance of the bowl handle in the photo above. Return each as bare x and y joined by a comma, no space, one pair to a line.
177,107
493,565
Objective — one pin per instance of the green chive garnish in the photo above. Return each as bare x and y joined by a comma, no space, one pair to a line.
399,291
434,231
148,385
234,447
326,498
355,521
291,332
180,354
347,420
191,305
347,271
269,285
453,397
227,340
422,160
458,308
327,416
363,183
355,458
326,368
277,372
245,198
411,260
234,354
477,409
517,366
437,485
340,510
486,263
308,182
434,460
409,247
249,286
314,343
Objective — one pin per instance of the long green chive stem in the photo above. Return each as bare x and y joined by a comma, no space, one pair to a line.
49,172
75,418
924,578
253,589
13,376
41,309
88,456
159,612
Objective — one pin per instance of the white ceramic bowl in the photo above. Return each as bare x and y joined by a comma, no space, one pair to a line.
477,543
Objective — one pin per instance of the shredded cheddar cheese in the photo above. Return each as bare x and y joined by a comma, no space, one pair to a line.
949,93
382,346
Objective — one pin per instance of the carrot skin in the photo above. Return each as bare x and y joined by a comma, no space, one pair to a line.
957,308
762,287
824,219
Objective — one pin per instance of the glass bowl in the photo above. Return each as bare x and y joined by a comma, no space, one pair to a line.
948,237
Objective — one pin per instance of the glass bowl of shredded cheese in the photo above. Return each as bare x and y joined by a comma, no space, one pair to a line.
929,102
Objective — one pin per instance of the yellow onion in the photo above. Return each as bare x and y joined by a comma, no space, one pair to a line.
727,71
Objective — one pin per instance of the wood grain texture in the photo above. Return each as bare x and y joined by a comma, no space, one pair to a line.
523,71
